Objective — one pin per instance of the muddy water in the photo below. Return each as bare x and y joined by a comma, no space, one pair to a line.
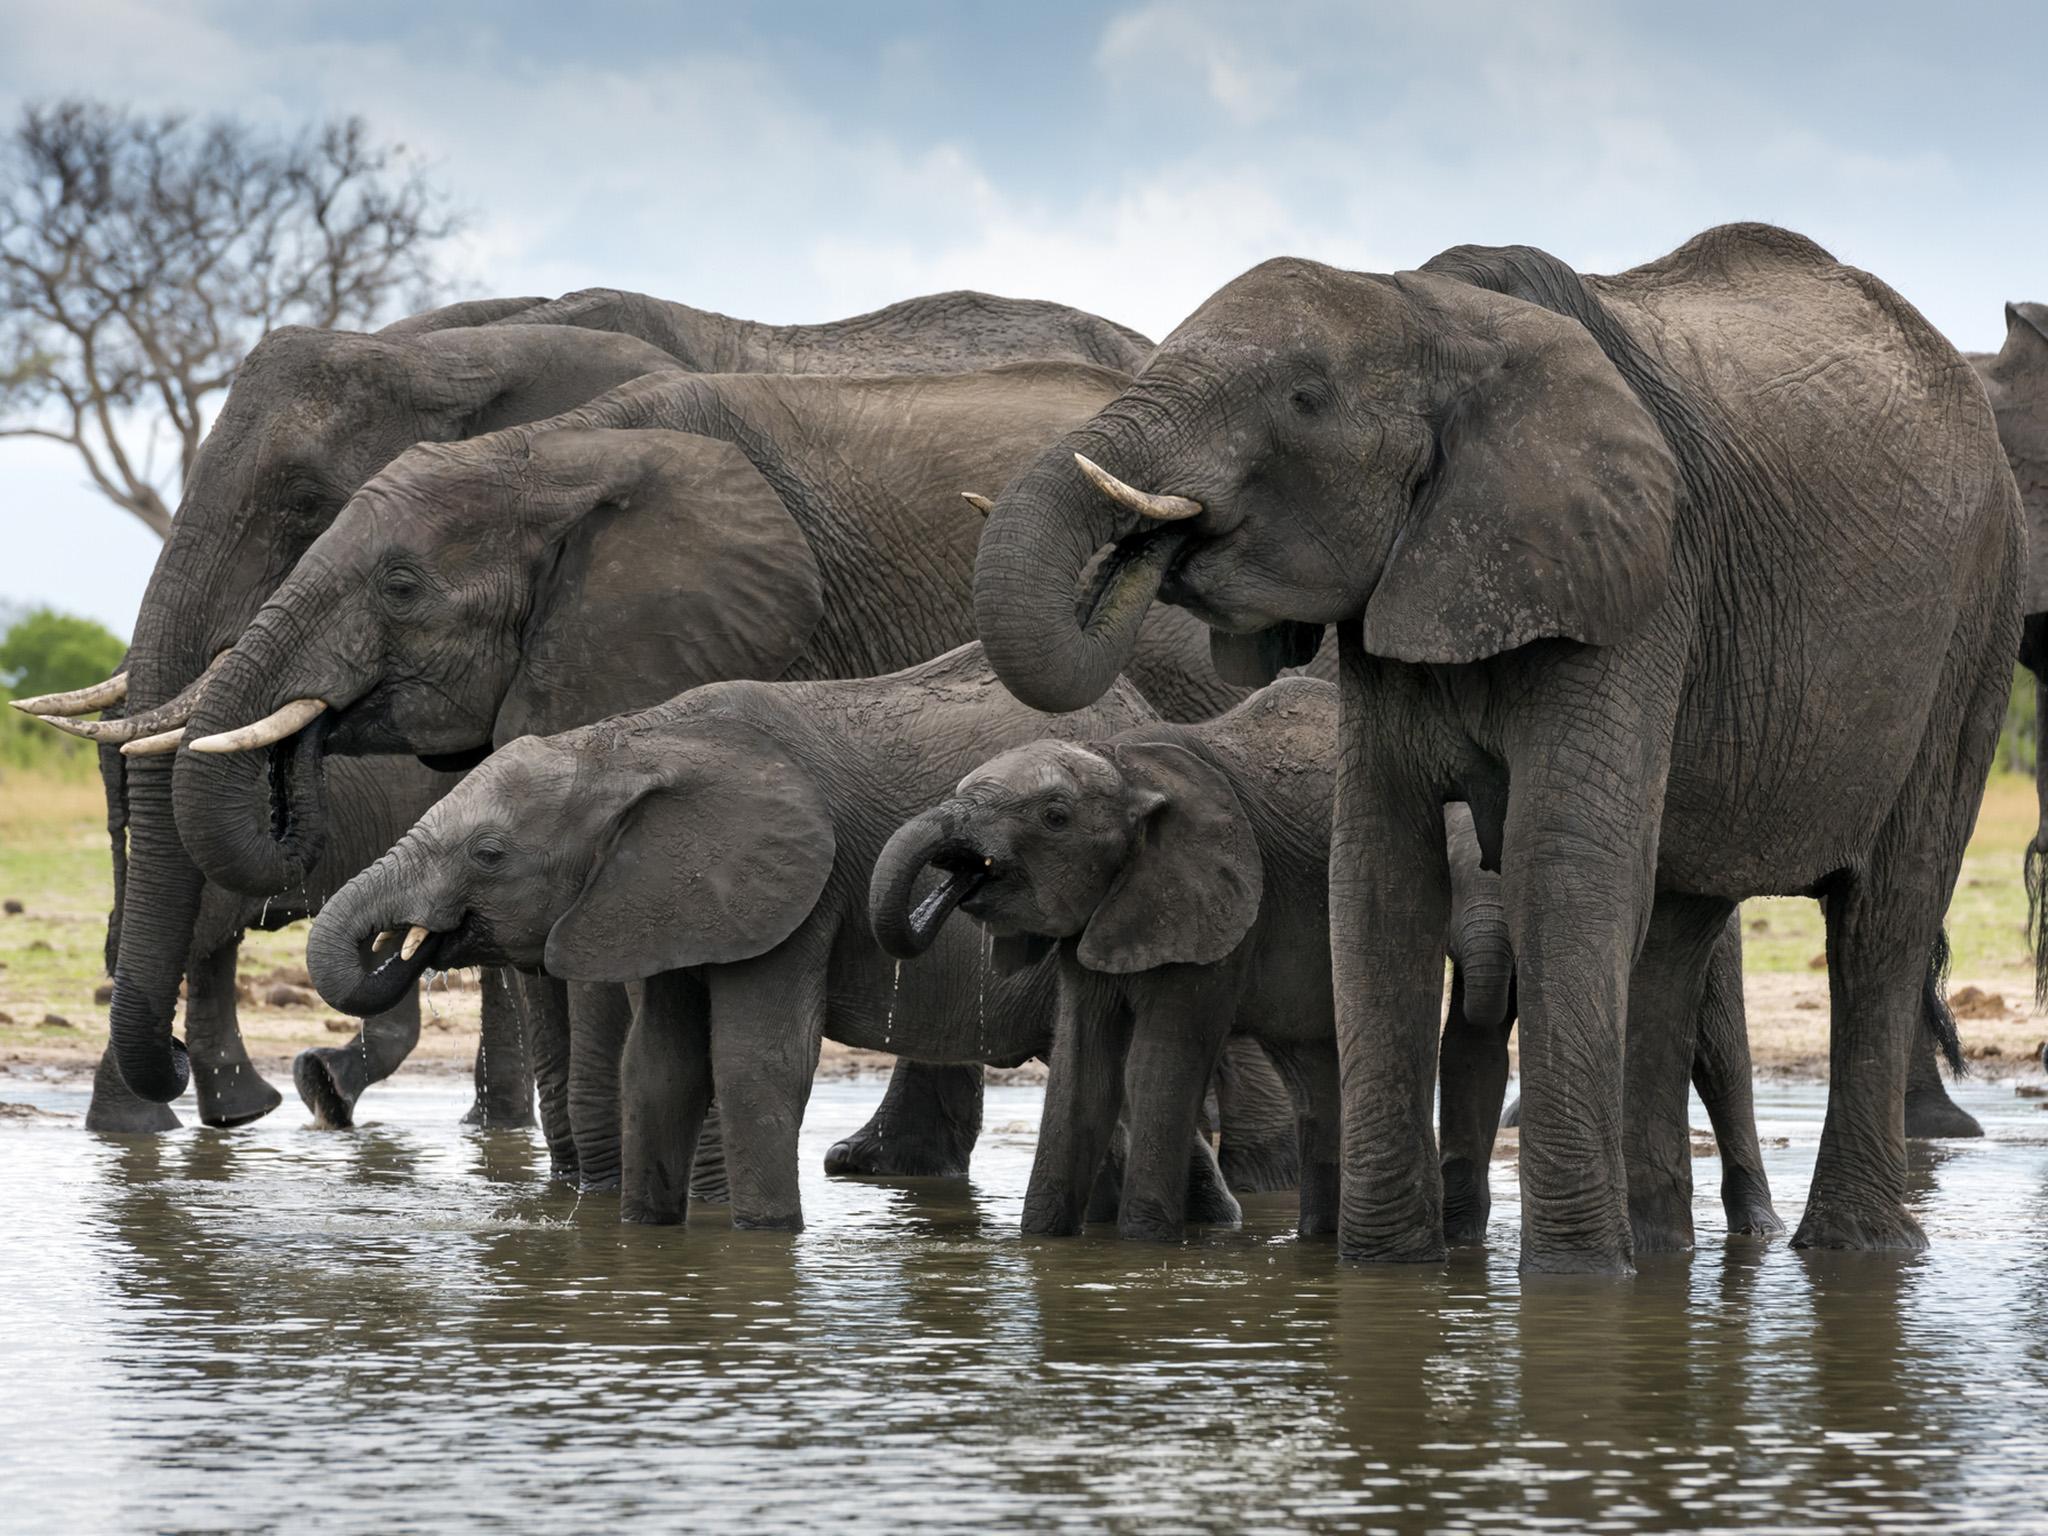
405,1327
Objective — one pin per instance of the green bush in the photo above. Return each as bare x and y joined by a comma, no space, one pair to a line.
2019,741
44,651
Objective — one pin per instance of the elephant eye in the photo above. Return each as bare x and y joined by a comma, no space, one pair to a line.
487,852
401,585
1055,816
1305,403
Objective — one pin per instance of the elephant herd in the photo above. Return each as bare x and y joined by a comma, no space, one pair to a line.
653,660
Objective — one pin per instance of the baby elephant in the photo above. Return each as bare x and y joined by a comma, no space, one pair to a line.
718,849
1181,873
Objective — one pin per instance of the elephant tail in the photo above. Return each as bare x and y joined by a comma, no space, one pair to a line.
1934,1009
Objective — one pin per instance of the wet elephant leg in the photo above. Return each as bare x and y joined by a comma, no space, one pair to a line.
330,1079
1664,990
504,1072
925,1126
664,1094
708,1182
1473,1068
229,1089
116,1110
544,1005
1084,1094
1930,1113
1176,1037
1259,1148
1722,1074
600,1016
767,1022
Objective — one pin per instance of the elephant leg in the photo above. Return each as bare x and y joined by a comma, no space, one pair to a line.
1176,1035
925,1126
708,1184
1722,1074
116,1109
767,1022
664,1094
544,1005
1206,1197
1259,1148
226,1083
1930,1113
1310,1072
330,1079
1664,993
504,1074
1107,1192
1473,1060
600,1016
1084,1093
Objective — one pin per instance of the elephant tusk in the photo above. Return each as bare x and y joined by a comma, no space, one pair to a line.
273,727
1161,509
151,746
979,502
382,939
414,938
151,722
79,701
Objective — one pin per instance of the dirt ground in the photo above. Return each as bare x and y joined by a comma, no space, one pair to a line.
54,869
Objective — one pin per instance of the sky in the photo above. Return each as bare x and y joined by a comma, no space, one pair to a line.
801,161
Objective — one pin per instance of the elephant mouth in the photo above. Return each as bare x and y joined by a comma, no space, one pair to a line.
385,970
963,873
1141,544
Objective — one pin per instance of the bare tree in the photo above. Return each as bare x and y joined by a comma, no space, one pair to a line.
141,257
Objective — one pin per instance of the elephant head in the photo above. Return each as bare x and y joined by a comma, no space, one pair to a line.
1464,470
609,853
311,415
1141,849
475,592
2016,379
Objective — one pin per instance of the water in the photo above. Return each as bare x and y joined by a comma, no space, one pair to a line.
404,1327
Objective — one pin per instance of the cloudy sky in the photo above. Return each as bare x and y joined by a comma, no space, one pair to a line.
796,161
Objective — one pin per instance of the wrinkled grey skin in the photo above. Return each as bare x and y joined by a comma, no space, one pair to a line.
1178,873
2016,380
1725,629
374,801
312,415
548,576
718,850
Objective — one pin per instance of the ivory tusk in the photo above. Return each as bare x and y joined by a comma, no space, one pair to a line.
175,710
383,939
151,746
414,938
1162,509
273,727
79,701
979,502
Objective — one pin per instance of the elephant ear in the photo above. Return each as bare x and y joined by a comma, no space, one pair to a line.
1254,660
687,569
720,858
1190,889
1552,509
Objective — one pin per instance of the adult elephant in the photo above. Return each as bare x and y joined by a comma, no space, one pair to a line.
1696,582
310,417
548,576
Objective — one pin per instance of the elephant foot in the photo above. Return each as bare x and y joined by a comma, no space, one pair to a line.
1572,1261
490,1114
1660,1224
1468,1203
791,1221
1932,1115
329,1082
232,1093
1747,1201
602,1185
1212,1205
642,1212
1319,1202
1863,1228
1259,1167
1405,1231
115,1110
710,1188
885,1149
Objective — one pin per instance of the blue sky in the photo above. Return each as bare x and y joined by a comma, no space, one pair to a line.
798,161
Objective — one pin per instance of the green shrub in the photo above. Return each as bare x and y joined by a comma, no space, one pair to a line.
2019,740
44,651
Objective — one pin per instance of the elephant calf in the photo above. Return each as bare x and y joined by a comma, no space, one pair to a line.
718,849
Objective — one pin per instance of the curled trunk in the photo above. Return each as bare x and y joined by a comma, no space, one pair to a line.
1054,646
349,973
902,930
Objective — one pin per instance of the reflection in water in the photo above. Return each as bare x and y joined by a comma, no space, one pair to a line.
408,1325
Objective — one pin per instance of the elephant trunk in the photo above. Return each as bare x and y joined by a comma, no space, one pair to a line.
907,931
1055,647
351,970
1486,960
159,905
255,821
